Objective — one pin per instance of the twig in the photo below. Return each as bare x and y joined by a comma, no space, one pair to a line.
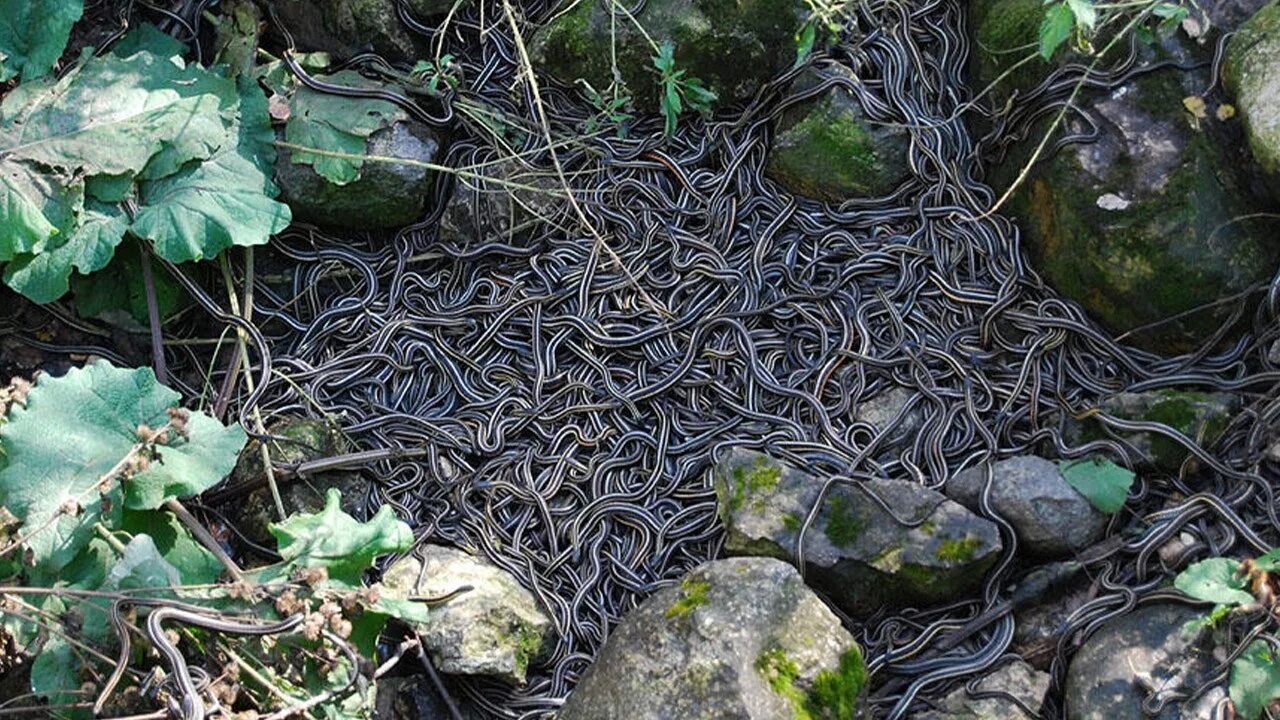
454,712
205,537
153,316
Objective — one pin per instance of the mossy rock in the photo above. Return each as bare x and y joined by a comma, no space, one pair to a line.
1202,417
343,27
757,645
1252,73
855,551
1151,224
733,46
826,148
1000,26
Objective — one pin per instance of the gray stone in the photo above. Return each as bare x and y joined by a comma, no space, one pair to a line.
825,148
414,698
733,47
481,211
343,27
736,639
1202,417
1252,73
1038,627
386,195
496,628
855,550
1050,517
1141,653
1016,678
881,409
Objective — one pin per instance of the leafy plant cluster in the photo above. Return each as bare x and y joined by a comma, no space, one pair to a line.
1236,586
1083,20
134,143
94,466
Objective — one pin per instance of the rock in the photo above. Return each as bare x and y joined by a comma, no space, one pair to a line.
300,440
736,639
855,551
344,27
1202,417
733,47
1016,678
1162,217
481,211
1252,73
494,629
825,148
1050,517
1038,627
386,195
429,8
1143,652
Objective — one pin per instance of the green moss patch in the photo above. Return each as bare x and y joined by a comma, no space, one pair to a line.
958,551
843,525
693,596
749,485
834,694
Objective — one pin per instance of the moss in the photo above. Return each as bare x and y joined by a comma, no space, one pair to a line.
792,522
1249,74
834,694
528,645
693,595
928,527
829,153
763,477
843,526
952,550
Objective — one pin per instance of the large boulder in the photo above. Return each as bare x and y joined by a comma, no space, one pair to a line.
736,639
1147,652
825,148
495,628
858,550
343,27
1252,74
1150,224
508,199
733,47
1050,517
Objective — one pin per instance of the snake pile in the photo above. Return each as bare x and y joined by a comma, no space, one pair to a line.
566,390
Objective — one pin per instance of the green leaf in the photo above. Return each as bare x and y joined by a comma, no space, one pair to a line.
1102,482
149,38
78,427
55,673
1214,580
1269,562
665,60
174,542
1085,14
45,277
33,34
1056,27
804,41
117,294
334,540
113,114
34,208
141,567
1255,680
337,123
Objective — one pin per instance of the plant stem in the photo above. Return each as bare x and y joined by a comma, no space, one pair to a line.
153,315
112,540
205,537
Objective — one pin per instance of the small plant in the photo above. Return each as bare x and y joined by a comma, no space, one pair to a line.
824,22
677,89
1084,18
1234,585
433,74
609,110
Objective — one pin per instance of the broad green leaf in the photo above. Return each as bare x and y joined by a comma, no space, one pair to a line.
327,121
55,673
1214,580
1269,562
174,542
112,115
1255,680
226,200
1102,482
334,540
150,38
1086,15
141,567
109,188
1056,27
78,427
804,41
33,34
45,277
34,208
117,294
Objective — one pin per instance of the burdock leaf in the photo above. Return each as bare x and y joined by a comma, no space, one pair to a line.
74,430
334,540
1255,680
1214,580
33,34
326,121
1103,483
